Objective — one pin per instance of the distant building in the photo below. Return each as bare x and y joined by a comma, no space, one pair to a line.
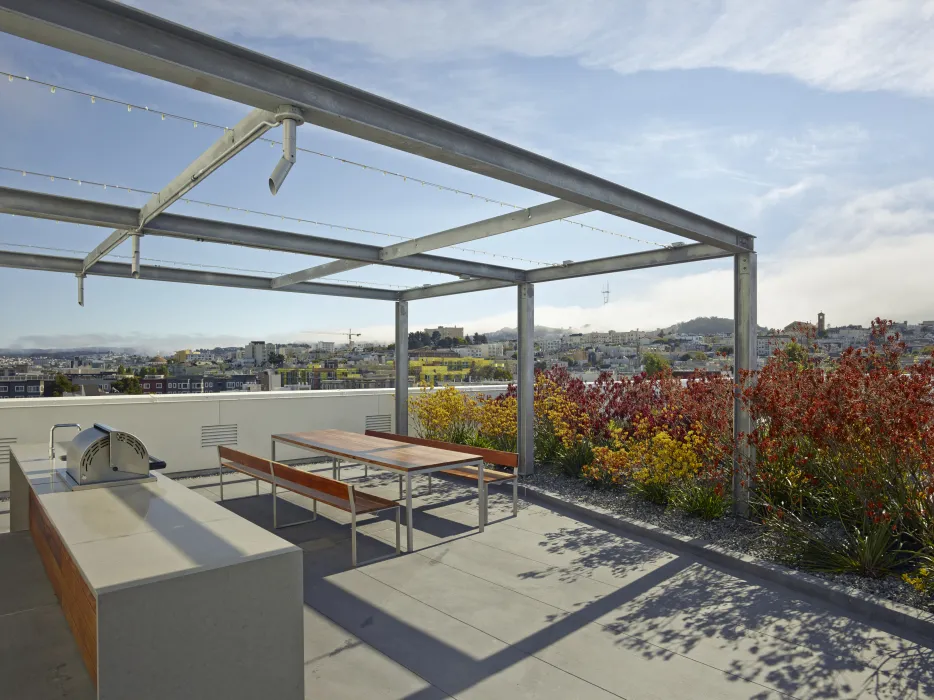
484,350
154,384
767,344
447,332
21,387
182,356
257,351
821,327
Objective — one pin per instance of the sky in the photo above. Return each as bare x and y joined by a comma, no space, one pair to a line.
805,124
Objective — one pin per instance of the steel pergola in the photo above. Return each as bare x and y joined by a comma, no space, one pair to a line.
287,96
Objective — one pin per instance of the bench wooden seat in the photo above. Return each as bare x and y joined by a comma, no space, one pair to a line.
497,458
338,494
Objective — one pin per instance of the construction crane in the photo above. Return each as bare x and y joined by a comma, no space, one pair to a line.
349,333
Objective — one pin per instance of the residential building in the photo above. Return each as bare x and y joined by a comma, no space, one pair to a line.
484,350
551,346
187,355
767,344
258,351
154,384
24,386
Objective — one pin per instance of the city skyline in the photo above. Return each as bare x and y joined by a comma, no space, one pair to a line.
826,160
130,344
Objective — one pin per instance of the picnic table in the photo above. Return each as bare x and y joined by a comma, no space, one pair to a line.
400,457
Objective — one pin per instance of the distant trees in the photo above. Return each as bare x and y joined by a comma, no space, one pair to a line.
489,373
127,385
276,359
62,385
420,339
654,364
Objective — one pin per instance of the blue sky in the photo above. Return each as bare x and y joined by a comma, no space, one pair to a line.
806,124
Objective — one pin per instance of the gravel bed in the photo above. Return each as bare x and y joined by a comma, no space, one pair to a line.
736,534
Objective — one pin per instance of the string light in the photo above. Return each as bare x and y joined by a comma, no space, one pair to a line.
405,178
312,222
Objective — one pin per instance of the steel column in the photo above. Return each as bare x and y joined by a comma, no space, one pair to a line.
402,368
744,359
525,382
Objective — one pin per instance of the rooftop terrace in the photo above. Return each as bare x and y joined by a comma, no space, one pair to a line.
542,605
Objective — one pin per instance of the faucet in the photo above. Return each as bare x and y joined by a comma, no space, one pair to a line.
52,436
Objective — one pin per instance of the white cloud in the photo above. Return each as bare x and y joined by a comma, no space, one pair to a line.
866,256
777,195
837,45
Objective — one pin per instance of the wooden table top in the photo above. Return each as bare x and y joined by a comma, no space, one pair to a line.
379,452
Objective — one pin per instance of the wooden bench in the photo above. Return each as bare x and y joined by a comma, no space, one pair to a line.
340,495
497,458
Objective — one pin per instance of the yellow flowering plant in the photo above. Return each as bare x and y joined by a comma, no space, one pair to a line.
443,414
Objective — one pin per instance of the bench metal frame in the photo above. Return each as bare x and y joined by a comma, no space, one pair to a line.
406,476
315,496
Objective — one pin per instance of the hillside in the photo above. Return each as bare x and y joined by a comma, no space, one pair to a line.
705,325
512,333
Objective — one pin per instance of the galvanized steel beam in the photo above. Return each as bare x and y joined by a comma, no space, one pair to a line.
629,261
514,221
50,263
618,263
45,206
129,38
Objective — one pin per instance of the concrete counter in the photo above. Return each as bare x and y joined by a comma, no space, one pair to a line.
167,593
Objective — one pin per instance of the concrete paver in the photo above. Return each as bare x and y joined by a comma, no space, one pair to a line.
536,606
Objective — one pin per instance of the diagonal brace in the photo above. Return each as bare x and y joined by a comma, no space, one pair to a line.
234,140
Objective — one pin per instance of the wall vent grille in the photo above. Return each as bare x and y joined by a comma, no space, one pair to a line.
382,422
5,450
214,435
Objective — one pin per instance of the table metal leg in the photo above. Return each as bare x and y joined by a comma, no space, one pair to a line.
409,536
515,493
481,487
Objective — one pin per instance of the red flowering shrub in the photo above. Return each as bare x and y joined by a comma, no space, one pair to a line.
850,444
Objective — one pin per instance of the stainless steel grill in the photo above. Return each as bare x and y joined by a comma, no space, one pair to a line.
103,455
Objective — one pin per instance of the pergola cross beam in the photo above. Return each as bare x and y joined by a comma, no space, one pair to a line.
513,221
82,211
